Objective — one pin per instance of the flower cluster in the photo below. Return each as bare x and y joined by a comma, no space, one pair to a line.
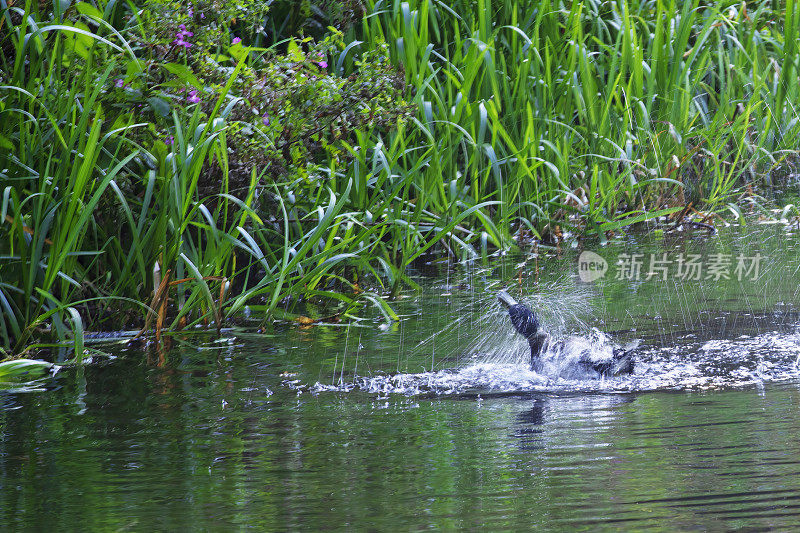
180,37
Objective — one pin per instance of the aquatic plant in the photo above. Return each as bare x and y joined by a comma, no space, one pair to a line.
19,372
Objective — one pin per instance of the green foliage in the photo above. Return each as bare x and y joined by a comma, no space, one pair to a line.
21,371
296,113
261,160
577,116
106,174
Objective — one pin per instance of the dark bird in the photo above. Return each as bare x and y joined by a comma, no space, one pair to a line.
572,356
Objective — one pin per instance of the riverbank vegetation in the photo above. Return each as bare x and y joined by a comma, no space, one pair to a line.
166,165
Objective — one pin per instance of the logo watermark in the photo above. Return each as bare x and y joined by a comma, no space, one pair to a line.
663,266
591,266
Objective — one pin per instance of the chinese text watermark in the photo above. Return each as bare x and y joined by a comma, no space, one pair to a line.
663,266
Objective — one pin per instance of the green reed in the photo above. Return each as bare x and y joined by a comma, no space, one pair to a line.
524,102
87,231
590,116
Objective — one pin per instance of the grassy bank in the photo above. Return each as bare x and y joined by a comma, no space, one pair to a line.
165,165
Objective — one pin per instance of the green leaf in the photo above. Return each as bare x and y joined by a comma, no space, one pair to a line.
88,9
6,143
616,224
23,368
238,52
293,51
77,333
76,30
62,5
134,67
159,105
183,73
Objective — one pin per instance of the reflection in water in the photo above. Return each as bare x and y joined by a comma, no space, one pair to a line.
214,449
528,426
534,415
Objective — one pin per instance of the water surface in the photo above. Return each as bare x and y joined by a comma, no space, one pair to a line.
436,422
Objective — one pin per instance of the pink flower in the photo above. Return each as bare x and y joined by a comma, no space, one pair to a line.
236,40
322,64
193,98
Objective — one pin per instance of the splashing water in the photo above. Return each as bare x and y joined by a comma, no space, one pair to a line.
499,361
715,364
701,335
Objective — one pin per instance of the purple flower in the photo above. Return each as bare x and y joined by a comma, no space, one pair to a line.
265,118
236,40
180,37
193,98
119,83
169,140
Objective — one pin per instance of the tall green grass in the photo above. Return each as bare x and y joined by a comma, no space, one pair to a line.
56,165
527,102
93,222
532,118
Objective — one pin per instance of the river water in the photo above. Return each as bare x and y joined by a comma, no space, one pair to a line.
437,422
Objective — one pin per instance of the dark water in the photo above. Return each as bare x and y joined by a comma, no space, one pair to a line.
436,423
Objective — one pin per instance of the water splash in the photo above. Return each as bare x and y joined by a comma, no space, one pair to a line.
714,364
692,331
560,305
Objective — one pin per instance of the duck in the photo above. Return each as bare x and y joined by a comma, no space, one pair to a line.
572,356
